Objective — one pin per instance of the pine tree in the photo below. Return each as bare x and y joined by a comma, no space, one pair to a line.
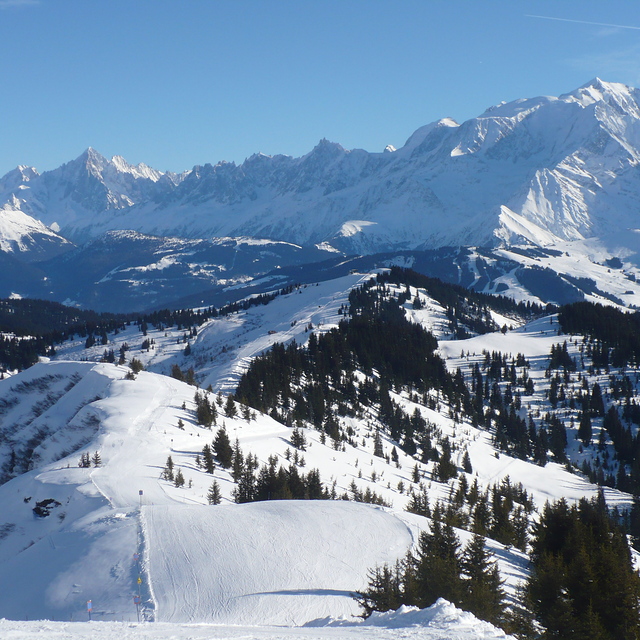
207,459
466,462
378,449
136,365
483,594
385,590
246,488
179,479
206,412
438,566
585,432
176,372
230,407
96,459
213,495
298,439
445,468
222,448
237,464
582,579
167,472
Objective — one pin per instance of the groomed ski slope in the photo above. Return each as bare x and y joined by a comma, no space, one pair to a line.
284,562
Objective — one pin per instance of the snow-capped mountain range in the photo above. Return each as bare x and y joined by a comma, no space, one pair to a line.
552,175
542,170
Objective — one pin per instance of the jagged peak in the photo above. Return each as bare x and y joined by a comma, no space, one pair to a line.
326,145
91,154
140,170
91,160
22,173
604,86
26,171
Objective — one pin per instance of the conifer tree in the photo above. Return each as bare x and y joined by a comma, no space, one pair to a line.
585,432
207,459
438,565
483,594
136,365
213,495
298,439
445,468
582,579
85,461
246,489
230,407
167,472
205,411
237,464
385,591
177,373
466,462
179,479
222,448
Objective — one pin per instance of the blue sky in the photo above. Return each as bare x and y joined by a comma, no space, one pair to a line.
174,83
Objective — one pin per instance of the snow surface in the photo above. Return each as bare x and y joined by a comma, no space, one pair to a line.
21,233
441,621
266,563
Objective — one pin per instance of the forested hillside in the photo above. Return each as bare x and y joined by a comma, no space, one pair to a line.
377,355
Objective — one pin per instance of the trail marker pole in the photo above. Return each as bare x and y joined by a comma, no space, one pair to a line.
136,601
140,493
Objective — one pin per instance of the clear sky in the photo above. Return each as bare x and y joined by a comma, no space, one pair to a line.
174,83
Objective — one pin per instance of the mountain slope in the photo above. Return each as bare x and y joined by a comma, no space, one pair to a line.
25,237
70,532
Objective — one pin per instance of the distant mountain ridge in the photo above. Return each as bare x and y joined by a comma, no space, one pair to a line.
538,170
